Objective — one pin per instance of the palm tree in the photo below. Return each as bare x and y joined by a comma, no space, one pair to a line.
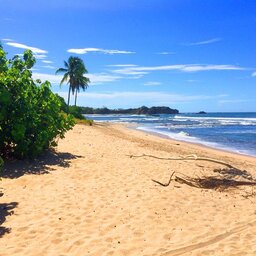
83,83
74,75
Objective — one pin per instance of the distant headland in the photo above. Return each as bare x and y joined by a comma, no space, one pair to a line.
201,112
130,111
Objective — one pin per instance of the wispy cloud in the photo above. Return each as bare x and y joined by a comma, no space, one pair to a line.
55,79
129,71
191,80
37,56
95,78
254,73
209,41
233,101
23,46
99,50
153,97
122,65
48,66
165,53
152,83
40,56
184,68
101,78
7,40
47,61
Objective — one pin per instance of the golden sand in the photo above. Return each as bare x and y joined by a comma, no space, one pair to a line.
91,198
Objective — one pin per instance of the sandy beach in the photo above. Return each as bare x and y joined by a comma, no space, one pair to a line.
91,197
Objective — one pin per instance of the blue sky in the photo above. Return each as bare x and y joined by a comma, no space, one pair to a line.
187,54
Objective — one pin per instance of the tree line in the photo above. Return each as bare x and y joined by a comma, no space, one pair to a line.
130,111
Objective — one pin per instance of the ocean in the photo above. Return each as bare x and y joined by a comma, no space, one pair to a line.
235,132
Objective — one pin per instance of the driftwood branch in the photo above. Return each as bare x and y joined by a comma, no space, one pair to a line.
182,158
224,180
164,184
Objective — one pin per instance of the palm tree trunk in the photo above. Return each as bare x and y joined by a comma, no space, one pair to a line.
69,94
76,97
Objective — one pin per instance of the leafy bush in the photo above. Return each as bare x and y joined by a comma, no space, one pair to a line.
64,106
30,114
76,112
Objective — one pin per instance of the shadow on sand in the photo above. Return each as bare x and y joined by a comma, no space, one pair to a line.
41,165
6,210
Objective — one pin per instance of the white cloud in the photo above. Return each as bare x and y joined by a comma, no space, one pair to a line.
40,56
191,80
128,71
49,66
122,65
55,79
7,40
134,77
196,68
94,78
254,74
158,97
166,53
233,101
102,78
23,46
183,68
209,41
152,83
47,61
105,51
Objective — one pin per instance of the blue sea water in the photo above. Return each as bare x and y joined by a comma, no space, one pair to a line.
234,132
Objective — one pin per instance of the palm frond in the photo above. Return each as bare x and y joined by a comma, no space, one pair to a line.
65,79
74,74
66,64
60,70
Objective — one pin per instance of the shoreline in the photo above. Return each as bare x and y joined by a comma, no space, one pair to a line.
90,197
134,126
241,144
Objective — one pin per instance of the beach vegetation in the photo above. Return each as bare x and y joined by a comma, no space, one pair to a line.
73,74
75,111
131,111
31,119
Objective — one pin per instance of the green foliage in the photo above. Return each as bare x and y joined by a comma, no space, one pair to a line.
131,111
84,121
30,114
77,112
64,106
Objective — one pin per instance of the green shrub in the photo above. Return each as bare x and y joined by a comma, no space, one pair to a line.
76,112
64,106
30,114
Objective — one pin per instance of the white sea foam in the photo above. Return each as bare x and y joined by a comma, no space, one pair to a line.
216,118
219,120
183,136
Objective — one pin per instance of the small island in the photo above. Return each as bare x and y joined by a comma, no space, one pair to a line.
201,113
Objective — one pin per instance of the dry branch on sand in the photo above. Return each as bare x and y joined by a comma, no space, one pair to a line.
209,182
182,158
229,177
